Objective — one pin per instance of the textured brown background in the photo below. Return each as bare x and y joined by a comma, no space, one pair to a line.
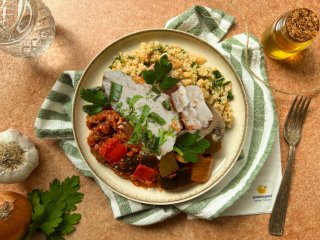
83,29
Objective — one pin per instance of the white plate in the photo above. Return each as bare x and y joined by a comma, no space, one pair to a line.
232,142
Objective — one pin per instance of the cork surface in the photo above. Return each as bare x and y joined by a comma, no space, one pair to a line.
83,29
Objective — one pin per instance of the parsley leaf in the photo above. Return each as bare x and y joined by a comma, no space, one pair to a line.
159,75
92,109
94,95
51,209
189,146
167,83
149,76
97,97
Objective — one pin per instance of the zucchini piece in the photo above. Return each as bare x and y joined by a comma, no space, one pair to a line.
168,164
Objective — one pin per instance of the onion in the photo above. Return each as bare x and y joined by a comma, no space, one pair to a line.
15,215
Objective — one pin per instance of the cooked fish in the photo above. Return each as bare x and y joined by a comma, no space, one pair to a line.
150,98
180,98
189,101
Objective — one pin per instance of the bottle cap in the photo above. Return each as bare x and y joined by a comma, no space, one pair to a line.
302,24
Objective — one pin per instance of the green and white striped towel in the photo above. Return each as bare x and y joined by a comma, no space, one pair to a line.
54,121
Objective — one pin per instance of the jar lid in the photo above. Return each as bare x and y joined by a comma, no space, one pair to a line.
302,24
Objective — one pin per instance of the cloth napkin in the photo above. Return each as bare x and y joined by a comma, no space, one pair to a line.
54,121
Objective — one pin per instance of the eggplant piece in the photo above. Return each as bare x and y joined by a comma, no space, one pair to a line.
168,164
128,165
176,180
149,160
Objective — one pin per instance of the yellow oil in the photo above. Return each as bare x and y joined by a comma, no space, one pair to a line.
277,44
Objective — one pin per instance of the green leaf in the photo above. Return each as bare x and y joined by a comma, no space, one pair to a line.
187,139
149,76
163,67
145,110
159,74
166,105
68,222
190,157
164,61
51,207
97,97
155,89
167,83
92,109
155,117
230,95
115,91
132,101
189,146
216,74
200,146
94,95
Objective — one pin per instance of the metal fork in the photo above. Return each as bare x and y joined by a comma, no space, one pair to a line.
292,134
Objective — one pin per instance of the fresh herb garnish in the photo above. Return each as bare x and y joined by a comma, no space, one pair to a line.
218,79
52,209
189,146
159,74
230,95
118,58
115,92
194,64
145,110
217,74
166,105
147,64
97,97
133,100
155,117
151,142
155,89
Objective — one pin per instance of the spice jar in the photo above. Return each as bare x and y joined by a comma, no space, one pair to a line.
290,34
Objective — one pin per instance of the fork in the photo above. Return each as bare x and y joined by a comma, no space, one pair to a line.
292,133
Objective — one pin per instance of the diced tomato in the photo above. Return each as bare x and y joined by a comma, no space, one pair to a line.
112,150
145,175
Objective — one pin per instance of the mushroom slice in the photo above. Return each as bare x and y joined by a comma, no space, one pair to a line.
216,127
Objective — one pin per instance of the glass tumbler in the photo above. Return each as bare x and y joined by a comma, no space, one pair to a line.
27,27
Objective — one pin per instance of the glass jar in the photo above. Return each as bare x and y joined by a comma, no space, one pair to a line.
27,27
290,34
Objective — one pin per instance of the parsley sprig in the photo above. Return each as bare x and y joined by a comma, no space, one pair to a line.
52,209
160,74
98,99
189,146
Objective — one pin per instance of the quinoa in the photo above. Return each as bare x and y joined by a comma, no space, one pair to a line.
189,68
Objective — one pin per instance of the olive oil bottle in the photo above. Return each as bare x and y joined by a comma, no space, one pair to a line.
290,34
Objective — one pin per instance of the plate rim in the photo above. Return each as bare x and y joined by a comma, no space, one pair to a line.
243,92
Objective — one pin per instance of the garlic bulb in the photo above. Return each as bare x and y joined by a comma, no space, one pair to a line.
18,156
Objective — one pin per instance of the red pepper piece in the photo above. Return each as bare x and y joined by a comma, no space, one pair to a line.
145,175
112,150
